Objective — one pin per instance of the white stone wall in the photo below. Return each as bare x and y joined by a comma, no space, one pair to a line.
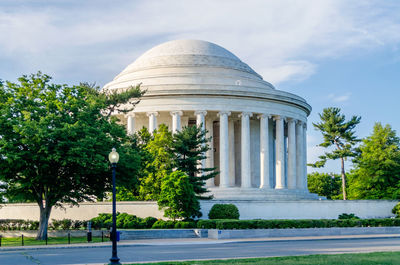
248,209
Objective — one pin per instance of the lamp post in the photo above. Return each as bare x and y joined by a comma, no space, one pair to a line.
113,157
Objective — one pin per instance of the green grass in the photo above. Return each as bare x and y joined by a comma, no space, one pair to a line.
381,258
31,241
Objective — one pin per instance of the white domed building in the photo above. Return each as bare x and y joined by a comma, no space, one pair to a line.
258,132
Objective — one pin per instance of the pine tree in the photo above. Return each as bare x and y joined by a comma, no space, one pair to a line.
339,133
189,147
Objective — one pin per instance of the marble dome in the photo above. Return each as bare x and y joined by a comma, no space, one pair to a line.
258,132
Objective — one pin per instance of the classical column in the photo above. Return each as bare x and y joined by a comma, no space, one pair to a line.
201,122
176,120
291,154
264,152
280,153
223,149
231,133
304,183
299,154
130,126
210,152
152,120
245,146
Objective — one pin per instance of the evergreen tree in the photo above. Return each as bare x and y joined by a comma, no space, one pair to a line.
339,133
178,198
189,147
377,168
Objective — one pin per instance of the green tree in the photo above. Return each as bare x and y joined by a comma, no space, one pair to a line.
159,162
177,197
54,142
189,147
377,167
339,133
325,184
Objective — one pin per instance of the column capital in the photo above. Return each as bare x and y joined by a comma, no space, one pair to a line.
221,113
244,114
263,116
176,112
278,117
200,112
130,115
291,120
152,113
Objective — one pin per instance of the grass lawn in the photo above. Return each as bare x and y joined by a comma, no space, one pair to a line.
381,258
30,241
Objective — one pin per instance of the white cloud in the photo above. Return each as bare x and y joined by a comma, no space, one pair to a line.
339,98
283,40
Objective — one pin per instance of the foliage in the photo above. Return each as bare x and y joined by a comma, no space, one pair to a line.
189,147
348,216
177,197
224,211
54,142
17,224
124,220
325,184
286,224
159,163
67,224
396,210
339,133
377,167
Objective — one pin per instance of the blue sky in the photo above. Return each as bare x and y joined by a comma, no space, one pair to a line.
339,53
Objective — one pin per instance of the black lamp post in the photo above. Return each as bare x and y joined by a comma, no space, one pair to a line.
114,157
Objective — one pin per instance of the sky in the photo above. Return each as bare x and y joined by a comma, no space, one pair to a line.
342,53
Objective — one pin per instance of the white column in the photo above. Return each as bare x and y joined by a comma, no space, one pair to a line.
264,152
223,149
299,154
245,147
200,121
291,154
130,126
152,120
176,120
210,152
304,183
280,154
231,133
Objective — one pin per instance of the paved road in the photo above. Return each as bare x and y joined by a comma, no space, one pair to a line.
200,250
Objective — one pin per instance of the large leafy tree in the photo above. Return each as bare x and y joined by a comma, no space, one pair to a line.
54,142
377,167
189,147
159,162
325,184
339,134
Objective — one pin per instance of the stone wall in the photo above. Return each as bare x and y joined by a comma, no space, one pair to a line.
325,209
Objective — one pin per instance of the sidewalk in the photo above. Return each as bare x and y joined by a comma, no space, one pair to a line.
193,241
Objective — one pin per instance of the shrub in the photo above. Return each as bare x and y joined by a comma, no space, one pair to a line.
396,210
224,211
161,224
185,224
348,216
206,224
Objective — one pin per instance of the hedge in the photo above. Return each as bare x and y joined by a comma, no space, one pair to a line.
308,223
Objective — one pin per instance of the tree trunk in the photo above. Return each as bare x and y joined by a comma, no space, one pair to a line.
44,222
343,180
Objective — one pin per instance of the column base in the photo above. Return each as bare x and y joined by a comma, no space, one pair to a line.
264,194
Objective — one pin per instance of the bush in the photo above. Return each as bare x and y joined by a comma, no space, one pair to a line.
224,211
161,224
348,216
206,224
17,224
396,210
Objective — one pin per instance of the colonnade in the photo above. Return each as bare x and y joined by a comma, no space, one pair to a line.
290,152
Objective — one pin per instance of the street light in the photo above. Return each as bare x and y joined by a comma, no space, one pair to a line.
113,157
